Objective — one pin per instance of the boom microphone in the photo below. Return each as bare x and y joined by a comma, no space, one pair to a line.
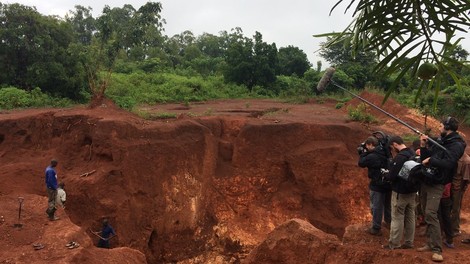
326,79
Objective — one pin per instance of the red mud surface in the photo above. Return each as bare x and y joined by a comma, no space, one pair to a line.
223,179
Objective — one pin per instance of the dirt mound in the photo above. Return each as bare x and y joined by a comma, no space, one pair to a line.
206,187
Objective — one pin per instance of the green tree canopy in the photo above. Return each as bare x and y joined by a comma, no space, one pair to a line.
359,68
293,60
34,52
406,33
250,61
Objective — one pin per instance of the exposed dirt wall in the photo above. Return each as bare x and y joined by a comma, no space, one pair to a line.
177,190
204,189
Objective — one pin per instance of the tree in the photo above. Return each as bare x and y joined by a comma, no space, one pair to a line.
211,45
359,67
293,60
119,31
406,33
459,54
250,62
34,52
83,24
239,59
265,61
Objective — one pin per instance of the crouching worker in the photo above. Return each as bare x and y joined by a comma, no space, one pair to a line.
61,196
403,198
106,233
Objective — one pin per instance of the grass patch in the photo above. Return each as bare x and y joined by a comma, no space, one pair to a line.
154,116
208,112
163,116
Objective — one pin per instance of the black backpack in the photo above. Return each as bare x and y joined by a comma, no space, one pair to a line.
384,143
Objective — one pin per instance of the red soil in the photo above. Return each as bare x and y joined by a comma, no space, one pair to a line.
205,187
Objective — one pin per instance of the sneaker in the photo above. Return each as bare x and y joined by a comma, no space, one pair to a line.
424,248
466,241
437,257
449,245
374,232
388,247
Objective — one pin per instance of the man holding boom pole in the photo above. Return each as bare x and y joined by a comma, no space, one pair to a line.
444,165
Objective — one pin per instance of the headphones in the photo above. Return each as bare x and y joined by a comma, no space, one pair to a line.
447,123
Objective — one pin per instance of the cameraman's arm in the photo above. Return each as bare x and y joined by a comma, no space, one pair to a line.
369,160
364,160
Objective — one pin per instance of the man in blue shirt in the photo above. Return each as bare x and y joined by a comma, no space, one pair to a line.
51,186
105,234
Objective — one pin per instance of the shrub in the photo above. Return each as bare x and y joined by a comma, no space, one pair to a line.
11,97
360,113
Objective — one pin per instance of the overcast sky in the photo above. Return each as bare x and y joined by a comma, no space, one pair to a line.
282,22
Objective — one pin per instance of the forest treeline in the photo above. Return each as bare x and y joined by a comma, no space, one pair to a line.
125,54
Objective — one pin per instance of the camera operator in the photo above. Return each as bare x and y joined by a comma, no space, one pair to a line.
373,157
445,161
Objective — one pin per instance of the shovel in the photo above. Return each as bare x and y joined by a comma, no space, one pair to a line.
19,225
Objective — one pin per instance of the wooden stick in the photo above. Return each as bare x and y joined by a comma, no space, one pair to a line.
87,173
96,234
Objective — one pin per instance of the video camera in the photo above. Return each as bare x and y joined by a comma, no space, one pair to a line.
384,143
361,148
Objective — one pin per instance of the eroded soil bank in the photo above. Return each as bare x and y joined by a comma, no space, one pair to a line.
206,187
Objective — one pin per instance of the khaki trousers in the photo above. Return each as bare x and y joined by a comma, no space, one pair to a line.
431,195
403,219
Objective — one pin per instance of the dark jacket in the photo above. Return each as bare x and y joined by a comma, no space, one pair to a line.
444,161
400,185
374,161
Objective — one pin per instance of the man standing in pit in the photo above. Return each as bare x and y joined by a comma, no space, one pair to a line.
51,186
105,234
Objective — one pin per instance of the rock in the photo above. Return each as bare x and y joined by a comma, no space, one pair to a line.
295,241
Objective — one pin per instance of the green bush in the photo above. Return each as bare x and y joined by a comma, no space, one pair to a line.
461,100
12,97
360,113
